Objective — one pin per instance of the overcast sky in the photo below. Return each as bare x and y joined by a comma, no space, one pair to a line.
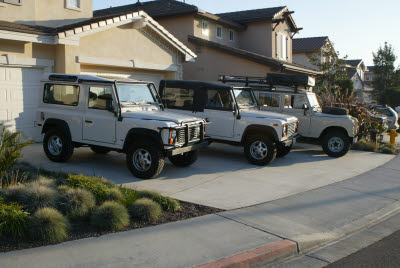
356,27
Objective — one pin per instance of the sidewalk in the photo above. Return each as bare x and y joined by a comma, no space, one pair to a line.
309,219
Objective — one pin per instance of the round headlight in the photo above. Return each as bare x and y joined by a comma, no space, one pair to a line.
173,134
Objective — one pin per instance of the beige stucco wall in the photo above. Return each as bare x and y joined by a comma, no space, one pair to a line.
257,38
27,49
303,59
282,28
212,33
222,63
180,27
50,13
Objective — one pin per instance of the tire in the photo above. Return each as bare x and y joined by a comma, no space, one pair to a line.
335,143
154,154
57,145
283,151
184,160
100,149
261,160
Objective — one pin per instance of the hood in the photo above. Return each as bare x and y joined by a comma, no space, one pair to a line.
320,114
267,114
160,116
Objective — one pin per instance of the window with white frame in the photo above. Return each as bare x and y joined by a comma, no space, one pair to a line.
204,27
219,32
13,2
73,4
283,47
231,35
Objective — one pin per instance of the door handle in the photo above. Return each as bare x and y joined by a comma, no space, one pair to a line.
88,121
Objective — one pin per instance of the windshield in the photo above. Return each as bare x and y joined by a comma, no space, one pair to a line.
244,98
313,101
135,94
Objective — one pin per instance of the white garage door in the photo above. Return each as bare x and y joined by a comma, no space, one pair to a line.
19,94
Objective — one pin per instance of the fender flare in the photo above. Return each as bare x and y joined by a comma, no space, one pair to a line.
262,129
141,133
52,123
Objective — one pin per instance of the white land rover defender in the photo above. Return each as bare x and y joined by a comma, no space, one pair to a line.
115,115
292,94
235,117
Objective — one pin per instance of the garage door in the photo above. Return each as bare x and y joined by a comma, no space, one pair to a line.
19,93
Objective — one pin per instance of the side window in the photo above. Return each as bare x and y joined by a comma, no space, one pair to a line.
269,99
178,98
100,98
219,99
61,94
13,2
295,101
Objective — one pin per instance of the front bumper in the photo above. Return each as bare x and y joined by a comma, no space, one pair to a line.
290,141
188,148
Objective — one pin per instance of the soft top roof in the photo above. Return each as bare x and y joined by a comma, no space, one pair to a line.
72,78
194,84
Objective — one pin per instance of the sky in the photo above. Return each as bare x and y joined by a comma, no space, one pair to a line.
356,27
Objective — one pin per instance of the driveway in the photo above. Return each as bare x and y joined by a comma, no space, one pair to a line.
221,177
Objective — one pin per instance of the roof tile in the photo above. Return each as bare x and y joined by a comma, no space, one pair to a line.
309,43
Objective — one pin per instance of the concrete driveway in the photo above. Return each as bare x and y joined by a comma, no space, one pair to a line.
221,177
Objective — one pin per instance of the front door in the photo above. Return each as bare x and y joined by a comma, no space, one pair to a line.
293,105
99,122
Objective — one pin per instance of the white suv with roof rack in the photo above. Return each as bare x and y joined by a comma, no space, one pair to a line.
115,115
235,117
293,95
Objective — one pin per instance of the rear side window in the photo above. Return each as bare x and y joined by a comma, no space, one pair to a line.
269,99
219,99
178,98
61,94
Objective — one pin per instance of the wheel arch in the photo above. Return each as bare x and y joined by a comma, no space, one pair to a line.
53,123
260,129
333,128
141,133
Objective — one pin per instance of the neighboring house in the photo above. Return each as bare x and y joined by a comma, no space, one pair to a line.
357,65
250,43
369,75
305,48
37,36
356,71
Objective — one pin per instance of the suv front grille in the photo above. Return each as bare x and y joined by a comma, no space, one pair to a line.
291,129
194,134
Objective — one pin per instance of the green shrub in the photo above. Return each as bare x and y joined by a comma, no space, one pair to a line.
115,194
93,185
145,209
130,196
363,145
77,203
14,221
39,197
19,194
49,225
11,146
110,216
166,203
63,189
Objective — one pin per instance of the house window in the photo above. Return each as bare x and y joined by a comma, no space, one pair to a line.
219,32
204,26
231,36
73,4
284,47
13,2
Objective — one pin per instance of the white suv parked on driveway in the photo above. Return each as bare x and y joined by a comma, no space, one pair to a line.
292,94
235,117
120,115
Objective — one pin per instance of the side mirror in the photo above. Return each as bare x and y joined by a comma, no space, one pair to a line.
305,107
110,106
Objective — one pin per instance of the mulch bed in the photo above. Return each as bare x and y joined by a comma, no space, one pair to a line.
84,229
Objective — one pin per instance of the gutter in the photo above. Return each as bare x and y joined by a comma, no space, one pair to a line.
299,69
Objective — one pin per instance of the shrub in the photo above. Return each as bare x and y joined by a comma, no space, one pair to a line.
363,145
16,194
39,197
13,177
44,181
49,225
93,185
166,203
63,189
115,194
77,203
110,216
14,221
145,209
388,149
11,146
130,196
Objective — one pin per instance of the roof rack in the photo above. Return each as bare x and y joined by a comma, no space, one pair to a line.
271,81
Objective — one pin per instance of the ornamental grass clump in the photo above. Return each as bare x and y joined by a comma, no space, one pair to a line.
14,221
44,181
77,203
130,196
364,145
40,196
166,203
145,209
94,185
62,189
388,149
16,194
49,225
115,194
110,216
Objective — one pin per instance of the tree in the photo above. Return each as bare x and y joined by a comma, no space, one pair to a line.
384,71
333,79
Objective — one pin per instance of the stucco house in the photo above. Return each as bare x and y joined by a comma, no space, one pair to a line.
62,36
369,75
305,48
251,42
356,72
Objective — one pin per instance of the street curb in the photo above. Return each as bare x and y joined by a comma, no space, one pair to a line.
262,255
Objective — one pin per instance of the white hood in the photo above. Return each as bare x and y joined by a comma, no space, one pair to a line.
267,114
160,116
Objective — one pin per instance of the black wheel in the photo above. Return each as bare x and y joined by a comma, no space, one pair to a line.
145,160
260,150
283,150
184,160
58,145
100,149
336,143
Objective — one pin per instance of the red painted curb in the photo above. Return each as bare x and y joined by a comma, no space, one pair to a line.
261,254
